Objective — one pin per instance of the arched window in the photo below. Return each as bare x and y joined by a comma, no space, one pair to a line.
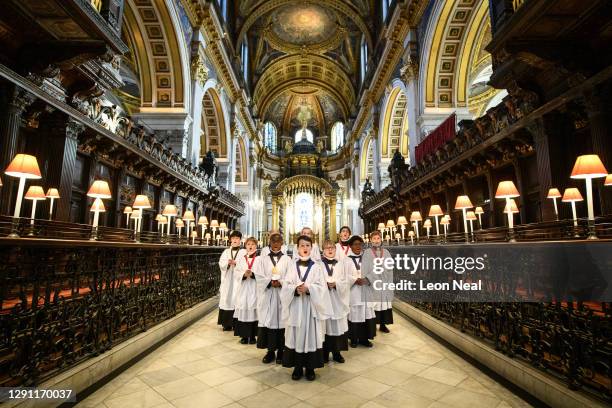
364,57
337,136
270,136
304,132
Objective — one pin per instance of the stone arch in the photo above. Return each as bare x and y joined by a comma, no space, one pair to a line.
241,162
213,135
153,31
394,124
366,165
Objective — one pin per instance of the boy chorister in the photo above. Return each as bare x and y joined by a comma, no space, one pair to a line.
315,254
269,275
361,319
382,298
245,294
336,327
342,247
306,306
227,264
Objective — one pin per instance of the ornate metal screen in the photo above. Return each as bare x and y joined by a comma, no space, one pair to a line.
61,303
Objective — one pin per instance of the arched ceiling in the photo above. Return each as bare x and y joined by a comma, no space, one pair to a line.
304,57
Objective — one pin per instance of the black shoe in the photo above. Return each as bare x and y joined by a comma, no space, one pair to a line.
244,340
268,358
227,329
366,343
252,340
310,374
297,373
338,357
279,357
326,357
354,343
384,328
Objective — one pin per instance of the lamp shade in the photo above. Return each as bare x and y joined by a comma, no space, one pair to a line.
571,194
512,207
203,220
207,236
506,189
52,193
608,180
158,217
23,166
127,210
99,189
214,223
444,221
588,166
471,215
136,213
478,210
98,206
462,202
163,219
448,217
170,210
390,223
427,223
381,226
35,193
179,223
141,201
416,216
188,216
223,226
553,193
435,210
411,233
401,220
194,234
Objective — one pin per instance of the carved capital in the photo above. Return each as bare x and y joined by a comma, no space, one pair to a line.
199,70
410,70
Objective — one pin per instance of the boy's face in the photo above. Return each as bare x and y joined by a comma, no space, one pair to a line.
251,246
276,245
329,251
344,234
376,239
235,241
307,232
304,248
356,247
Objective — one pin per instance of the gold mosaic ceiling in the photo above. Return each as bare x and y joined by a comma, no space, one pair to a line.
298,48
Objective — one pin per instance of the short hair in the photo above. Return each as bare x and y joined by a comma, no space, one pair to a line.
305,228
328,242
235,233
346,227
377,232
251,239
304,238
354,239
276,238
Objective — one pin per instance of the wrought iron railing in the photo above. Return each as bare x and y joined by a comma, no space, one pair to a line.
62,302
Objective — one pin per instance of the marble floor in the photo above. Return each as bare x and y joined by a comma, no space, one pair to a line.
205,367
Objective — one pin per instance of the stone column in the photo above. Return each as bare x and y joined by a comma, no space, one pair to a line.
333,228
409,74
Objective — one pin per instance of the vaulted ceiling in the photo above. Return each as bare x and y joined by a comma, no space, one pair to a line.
304,59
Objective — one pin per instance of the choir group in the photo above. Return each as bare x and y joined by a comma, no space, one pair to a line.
303,308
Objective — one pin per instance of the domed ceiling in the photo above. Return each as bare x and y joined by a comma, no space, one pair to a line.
304,60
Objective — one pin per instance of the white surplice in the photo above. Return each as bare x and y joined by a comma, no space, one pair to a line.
337,324
226,289
304,315
381,299
269,310
245,293
342,251
360,305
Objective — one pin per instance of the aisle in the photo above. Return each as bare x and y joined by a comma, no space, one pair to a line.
205,367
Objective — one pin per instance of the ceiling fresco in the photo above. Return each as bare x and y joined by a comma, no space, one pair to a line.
304,54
